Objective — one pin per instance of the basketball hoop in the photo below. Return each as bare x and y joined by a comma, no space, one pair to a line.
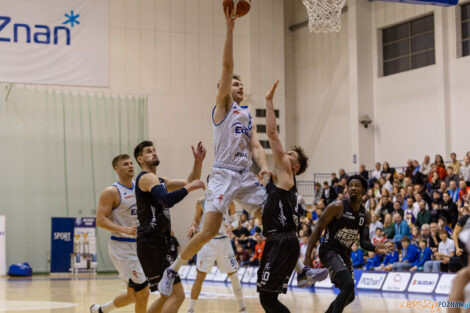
324,15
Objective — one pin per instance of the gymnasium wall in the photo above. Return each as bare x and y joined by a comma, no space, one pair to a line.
414,112
172,51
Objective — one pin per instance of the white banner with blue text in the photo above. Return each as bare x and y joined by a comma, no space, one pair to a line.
62,42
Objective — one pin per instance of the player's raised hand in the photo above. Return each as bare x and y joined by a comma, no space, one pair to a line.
199,152
263,176
230,18
270,93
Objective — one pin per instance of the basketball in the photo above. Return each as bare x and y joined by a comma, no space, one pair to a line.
243,6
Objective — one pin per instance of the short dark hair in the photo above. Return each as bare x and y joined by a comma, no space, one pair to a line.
118,158
302,158
405,238
234,76
359,178
443,231
140,147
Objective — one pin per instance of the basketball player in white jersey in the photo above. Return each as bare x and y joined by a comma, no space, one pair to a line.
218,250
117,213
235,144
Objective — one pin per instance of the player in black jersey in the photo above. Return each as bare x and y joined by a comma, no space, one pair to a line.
282,248
155,196
343,221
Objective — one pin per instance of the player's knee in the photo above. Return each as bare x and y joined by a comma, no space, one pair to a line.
179,295
266,299
142,295
209,233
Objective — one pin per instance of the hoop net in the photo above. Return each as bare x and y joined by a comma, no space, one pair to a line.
324,15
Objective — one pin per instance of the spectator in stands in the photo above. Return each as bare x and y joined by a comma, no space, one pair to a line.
409,168
379,237
415,234
341,186
463,193
426,166
401,229
397,209
377,190
426,233
334,179
328,194
252,227
420,188
442,224
385,184
376,174
408,215
342,174
317,192
442,187
424,255
452,175
434,181
389,227
465,170
357,256
385,206
435,239
259,248
241,236
455,163
388,173
371,205
242,254
303,246
409,255
390,258
449,209
374,224
411,207
454,191
373,261
442,257
424,217
363,172
439,161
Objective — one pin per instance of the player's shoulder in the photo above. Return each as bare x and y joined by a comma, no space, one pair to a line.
110,193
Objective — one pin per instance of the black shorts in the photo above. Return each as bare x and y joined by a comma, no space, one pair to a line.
154,257
335,263
279,258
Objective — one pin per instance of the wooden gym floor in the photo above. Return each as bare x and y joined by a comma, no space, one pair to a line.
46,295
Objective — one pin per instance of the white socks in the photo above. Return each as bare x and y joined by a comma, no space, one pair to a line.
192,303
237,290
108,307
299,266
177,264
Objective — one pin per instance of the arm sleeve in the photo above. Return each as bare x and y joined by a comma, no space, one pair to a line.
166,198
365,241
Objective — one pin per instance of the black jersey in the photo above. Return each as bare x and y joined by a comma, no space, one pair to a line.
279,211
343,232
153,216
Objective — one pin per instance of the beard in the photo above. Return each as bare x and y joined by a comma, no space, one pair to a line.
353,198
156,163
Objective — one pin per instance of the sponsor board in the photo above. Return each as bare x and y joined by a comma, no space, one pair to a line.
445,284
396,281
372,281
423,282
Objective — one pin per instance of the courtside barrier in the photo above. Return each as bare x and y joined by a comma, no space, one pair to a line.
412,282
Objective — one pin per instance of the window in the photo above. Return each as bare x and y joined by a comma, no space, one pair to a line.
465,11
260,128
409,45
262,113
265,144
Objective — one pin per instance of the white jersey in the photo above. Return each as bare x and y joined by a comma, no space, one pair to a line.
125,214
232,139
225,220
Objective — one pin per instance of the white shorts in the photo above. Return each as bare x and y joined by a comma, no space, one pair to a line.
123,254
227,185
220,251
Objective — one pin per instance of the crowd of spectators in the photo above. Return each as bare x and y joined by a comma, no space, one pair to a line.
418,210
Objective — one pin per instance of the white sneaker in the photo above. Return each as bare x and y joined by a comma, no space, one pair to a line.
165,286
309,276
95,308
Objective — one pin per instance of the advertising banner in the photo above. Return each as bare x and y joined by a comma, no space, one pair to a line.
54,42
423,282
